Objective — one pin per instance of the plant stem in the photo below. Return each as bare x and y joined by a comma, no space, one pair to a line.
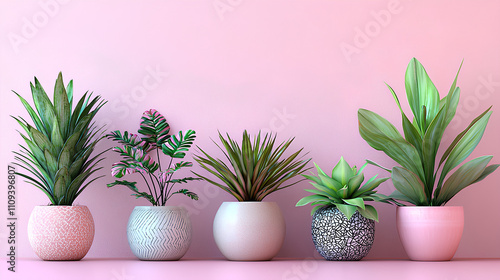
145,180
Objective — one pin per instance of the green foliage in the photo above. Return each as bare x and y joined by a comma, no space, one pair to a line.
418,180
257,168
57,155
136,159
345,190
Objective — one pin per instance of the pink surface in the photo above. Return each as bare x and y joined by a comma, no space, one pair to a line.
125,269
430,233
300,68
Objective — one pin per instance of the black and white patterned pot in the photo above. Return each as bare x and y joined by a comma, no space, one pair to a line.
159,232
337,238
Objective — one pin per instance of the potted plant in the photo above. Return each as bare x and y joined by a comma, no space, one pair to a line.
156,232
343,226
251,230
58,160
428,232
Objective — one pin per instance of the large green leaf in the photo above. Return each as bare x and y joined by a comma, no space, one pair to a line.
467,174
408,184
383,136
62,107
422,95
43,106
464,147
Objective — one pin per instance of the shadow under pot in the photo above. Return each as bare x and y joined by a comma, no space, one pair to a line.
61,233
249,230
159,233
340,239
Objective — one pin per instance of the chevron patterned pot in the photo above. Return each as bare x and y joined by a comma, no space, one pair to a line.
338,239
61,233
159,233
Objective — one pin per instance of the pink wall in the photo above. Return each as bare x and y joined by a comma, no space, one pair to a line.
299,68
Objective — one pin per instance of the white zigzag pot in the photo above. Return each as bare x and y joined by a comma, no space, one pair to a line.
159,233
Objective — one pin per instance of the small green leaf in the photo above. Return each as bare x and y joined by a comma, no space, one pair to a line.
358,201
347,210
342,172
369,212
311,198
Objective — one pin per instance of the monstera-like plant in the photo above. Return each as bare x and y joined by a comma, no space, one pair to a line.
156,232
136,158
422,177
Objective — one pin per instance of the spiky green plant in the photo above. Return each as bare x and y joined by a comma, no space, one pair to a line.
59,147
136,159
344,190
257,168
418,180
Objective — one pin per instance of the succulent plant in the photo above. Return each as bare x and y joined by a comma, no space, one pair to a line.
418,180
257,168
136,159
345,190
57,155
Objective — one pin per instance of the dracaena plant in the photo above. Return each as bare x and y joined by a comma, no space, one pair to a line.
256,168
58,157
136,158
345,190
422,179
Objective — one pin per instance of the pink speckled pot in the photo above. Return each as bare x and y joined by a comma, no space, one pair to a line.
430,233
61,233
249,231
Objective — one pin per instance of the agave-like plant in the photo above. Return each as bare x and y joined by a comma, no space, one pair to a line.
135,158
345,190
257,168
418,180
59,146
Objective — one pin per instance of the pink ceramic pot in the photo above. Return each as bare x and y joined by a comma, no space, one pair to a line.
61,233
249,231
430,233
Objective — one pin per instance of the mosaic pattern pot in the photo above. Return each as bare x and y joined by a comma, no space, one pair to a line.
249,231
159,233
338,239
430,233
61,233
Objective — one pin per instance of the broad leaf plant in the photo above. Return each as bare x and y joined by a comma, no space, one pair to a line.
422,179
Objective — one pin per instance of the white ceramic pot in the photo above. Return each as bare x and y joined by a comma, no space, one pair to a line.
430,233
159,232
249,231
61,233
